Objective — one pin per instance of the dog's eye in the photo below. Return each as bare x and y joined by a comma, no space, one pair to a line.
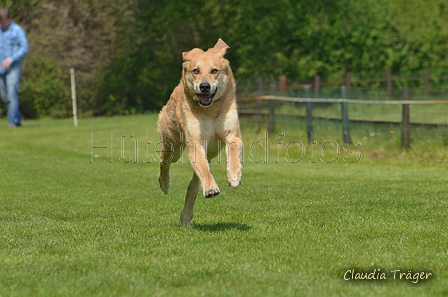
196,71
214,71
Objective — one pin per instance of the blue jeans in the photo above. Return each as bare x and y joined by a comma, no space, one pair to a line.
9,90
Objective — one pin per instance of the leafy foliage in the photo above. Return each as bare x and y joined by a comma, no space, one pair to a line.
43,92
127,53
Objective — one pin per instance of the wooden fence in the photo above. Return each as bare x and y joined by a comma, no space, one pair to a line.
344,118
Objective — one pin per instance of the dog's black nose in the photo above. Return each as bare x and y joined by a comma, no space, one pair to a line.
204,87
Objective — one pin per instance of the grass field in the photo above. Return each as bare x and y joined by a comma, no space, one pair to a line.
81,214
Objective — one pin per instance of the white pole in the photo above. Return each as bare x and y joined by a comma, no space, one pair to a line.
75,105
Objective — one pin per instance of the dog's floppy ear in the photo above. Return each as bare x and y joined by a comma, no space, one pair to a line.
187,56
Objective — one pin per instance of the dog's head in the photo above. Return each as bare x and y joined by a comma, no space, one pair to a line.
205,74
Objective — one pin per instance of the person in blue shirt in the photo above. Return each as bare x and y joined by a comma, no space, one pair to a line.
13,47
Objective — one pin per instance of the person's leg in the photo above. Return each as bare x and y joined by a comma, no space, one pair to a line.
12,95
3,90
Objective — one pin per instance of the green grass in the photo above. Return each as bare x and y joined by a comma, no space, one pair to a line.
77,221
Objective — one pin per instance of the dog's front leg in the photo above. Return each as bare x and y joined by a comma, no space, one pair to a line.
198,161
234,147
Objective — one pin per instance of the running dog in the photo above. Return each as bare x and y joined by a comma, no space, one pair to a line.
201,115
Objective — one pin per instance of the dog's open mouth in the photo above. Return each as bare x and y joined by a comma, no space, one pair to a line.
206,99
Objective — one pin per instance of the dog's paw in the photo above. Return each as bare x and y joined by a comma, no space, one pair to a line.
211,192
184,224
165,184
185,219
234,177
235,183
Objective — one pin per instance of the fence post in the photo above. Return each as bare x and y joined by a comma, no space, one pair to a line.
271,126
389,82
309,114
348,82
426,81
309,121
271,121
74,103
316,86
405,122
345,119
309,110
283,85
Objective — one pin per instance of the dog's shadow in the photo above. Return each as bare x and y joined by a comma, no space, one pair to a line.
220,227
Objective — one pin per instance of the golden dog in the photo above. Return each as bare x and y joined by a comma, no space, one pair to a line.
201,115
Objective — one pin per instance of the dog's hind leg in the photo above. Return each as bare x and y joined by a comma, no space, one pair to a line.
164,177
187,213
168,155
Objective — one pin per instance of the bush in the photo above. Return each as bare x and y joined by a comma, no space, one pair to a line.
43,91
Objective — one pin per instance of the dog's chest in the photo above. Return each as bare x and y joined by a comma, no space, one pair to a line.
204,127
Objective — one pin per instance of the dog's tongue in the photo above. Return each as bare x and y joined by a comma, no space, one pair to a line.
204,98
